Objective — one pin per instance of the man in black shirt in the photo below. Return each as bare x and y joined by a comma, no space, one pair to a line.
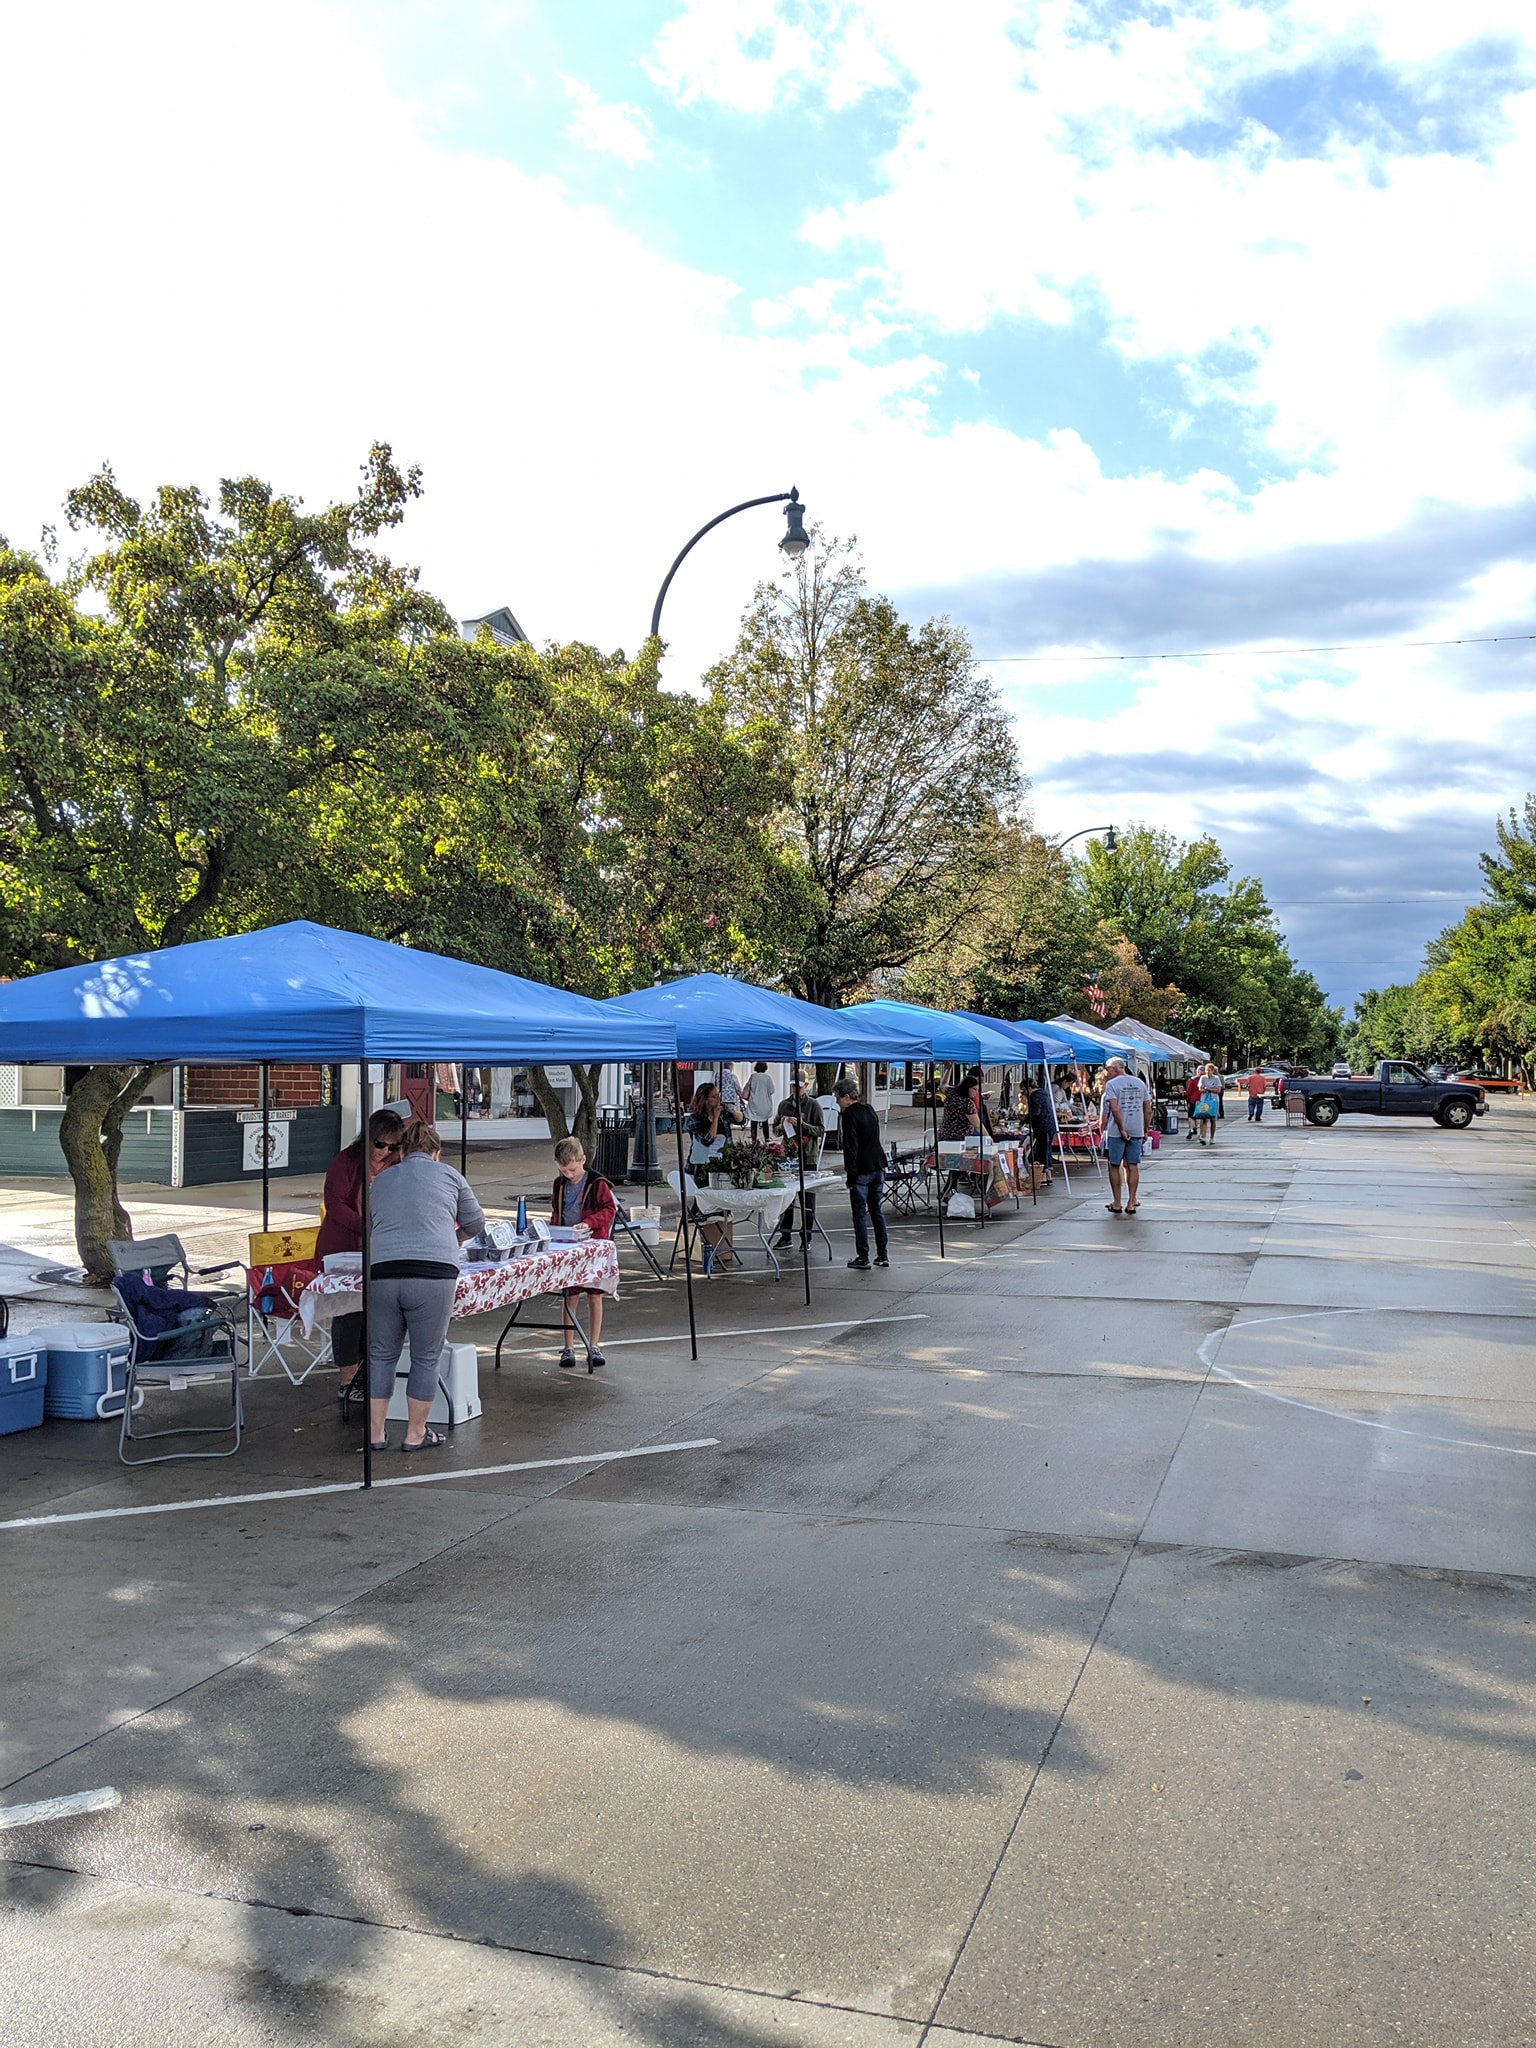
864,1164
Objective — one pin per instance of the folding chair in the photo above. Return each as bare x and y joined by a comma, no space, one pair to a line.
165,1260
197,1352
270,1336
713,1253
907,1191
624,1226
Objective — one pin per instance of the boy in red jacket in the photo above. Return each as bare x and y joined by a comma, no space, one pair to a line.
581,1197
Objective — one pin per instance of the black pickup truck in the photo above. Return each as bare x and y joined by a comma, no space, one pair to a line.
1395,1089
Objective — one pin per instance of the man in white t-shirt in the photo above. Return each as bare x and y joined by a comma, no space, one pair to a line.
1123,1128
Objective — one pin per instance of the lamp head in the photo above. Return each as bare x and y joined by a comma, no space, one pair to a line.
796,540
1109,840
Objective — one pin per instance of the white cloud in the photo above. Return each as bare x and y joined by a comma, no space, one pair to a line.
609,128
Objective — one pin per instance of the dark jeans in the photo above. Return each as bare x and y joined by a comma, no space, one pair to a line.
864,1192
1255,1109
807,1218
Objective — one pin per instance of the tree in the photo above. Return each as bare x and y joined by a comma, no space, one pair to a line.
1214,939
903,772
166,754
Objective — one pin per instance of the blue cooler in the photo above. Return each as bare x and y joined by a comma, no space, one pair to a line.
23,1377
87,1366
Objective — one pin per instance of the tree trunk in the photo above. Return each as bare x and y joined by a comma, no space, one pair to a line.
91,1135
586,1079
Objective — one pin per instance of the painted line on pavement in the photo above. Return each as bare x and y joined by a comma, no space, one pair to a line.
1460,1443
760,1330
245,1500
61,1808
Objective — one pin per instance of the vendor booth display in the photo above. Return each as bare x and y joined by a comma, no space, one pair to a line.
716,1018
303,992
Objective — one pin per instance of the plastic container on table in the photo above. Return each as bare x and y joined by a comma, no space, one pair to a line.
23,1380
87,1369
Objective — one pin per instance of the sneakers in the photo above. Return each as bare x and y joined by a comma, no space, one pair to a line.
858,1265
567,1360
882,1260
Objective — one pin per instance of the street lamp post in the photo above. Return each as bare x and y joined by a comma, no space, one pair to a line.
794,544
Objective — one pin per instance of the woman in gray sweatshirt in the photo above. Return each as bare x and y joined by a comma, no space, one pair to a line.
421,1208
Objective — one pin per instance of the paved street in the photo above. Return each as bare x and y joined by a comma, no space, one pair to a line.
1119,1633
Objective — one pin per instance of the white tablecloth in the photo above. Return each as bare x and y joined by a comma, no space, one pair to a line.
767,1204
593,1265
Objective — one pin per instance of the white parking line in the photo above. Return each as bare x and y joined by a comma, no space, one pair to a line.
759,1330
60,1809
245,1500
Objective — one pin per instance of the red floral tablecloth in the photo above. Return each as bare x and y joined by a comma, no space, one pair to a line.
482,1288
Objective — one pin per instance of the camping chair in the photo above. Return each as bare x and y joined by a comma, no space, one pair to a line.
907,1188
714,1252
197,1352
269,1337
625,1226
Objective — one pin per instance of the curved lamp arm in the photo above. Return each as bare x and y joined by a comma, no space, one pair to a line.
790,498
1108,830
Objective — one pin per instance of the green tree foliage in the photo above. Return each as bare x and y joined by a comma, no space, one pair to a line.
1212,938
902,772
227,715
1475,999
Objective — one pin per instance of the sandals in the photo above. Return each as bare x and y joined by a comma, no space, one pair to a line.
1113,1210
1131,1208
429,1442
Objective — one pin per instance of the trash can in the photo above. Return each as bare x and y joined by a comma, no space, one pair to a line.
23,1379
613,1144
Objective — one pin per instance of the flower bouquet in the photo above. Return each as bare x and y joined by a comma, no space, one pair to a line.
750,1164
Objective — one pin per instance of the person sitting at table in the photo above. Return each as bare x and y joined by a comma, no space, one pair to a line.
581,1197
341,1230
799,1121
421,1210
710,1132
965,1113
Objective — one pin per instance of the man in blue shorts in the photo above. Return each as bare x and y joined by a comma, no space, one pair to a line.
1123,1127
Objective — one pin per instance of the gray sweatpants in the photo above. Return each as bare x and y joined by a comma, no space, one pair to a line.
397,1307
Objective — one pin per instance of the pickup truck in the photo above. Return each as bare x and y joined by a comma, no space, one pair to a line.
1395,1089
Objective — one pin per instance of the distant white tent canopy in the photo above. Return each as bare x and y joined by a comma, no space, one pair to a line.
503,628
1180,1048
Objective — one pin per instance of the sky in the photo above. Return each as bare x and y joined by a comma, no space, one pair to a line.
1109,328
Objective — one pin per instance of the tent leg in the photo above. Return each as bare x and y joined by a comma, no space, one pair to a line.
464,1118
365,1362
682,1195
1034,1192
938,1176
805,1221
266,1144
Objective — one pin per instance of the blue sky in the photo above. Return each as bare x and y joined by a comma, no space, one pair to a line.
1134,326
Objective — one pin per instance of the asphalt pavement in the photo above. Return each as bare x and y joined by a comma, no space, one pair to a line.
1120,1631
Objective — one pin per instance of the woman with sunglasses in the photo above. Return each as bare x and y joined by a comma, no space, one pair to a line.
341,1230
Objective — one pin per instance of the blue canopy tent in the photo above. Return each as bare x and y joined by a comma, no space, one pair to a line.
1031,1041
301,992
717,1018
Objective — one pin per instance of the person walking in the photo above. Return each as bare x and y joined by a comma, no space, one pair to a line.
341,1230
800,1123
1191,1099
1257,1085
1208,1102
1042,1124
1123,1130
760,1101
421,1209
864,1165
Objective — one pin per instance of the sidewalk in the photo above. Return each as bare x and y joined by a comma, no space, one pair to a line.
1118,1634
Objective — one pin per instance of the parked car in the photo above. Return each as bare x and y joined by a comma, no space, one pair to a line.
1397,1088
1340,1070
1504,1084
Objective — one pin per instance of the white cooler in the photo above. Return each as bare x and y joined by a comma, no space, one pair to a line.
459,1370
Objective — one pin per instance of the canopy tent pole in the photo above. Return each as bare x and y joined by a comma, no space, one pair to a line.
1034,1192
805,1221
365,1361
682,1195
1056,1132
647,1127
464,1118
938,1171
266,1144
